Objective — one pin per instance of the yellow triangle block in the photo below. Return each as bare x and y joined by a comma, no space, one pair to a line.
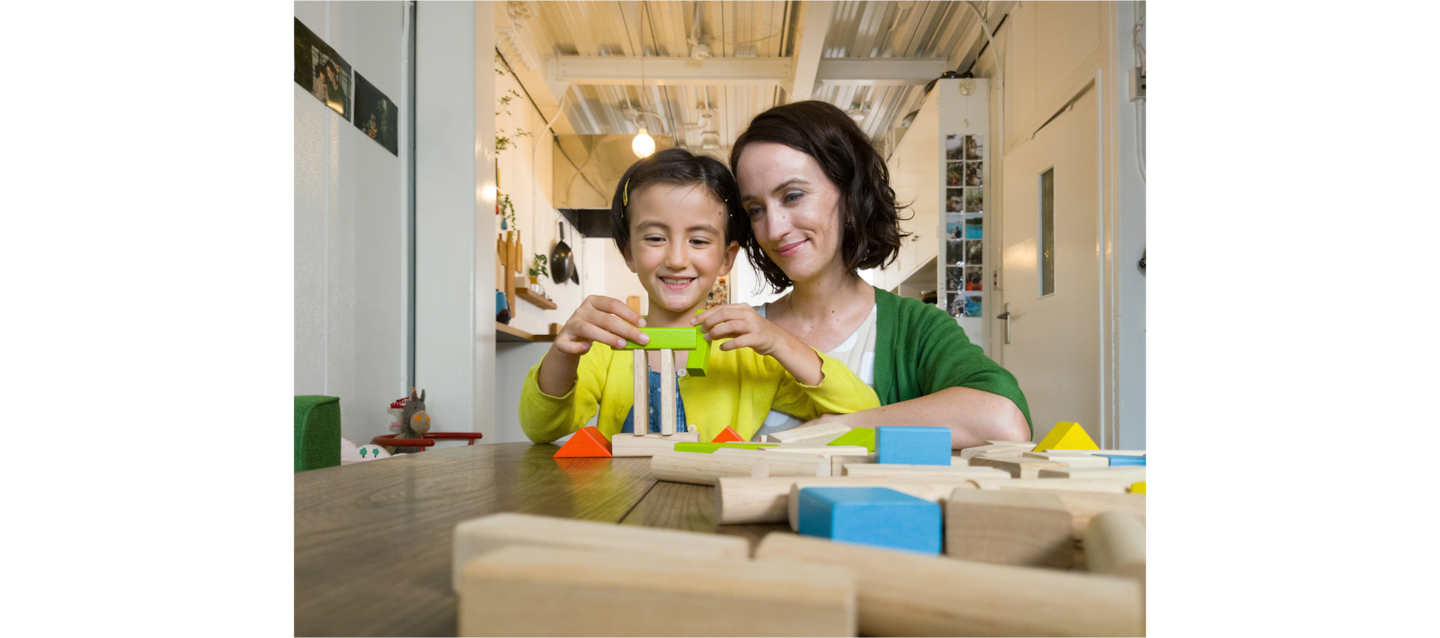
1066,436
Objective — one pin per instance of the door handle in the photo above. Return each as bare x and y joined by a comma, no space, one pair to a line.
1006,316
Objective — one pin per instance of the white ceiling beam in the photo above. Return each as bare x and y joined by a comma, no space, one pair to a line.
624,70
881,71
814,22
518,39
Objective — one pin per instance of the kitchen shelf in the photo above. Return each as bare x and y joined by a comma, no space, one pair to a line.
528,295
505,333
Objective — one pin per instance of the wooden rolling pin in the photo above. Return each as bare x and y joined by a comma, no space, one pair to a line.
742,500
908,594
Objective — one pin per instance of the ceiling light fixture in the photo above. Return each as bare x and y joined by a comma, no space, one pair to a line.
643,144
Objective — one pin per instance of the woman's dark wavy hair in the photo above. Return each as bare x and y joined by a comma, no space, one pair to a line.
677,167
869,215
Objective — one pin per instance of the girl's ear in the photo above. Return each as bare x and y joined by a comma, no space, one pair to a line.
629,261
729,261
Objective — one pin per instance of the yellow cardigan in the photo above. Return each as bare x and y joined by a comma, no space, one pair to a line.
739,389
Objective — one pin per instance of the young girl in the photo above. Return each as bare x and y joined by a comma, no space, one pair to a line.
676,219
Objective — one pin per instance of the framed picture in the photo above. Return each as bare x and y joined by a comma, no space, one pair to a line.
974,228
975,200
955,174
974,250
954,147
974,281
972,305
376,116
954,252
973,147
954,200
972,174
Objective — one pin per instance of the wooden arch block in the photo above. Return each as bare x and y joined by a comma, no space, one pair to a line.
587,443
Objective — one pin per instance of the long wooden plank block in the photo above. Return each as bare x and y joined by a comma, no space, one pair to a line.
667,393
1070,459
704,469
994,450
838,455
1119,543
479,536
740,500
813,434
884,470
1019,467
909,594
641,408
528,591
1132,473
1079,485
1008,527
649,444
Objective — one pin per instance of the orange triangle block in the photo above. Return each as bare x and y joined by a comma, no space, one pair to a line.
728,435
587,443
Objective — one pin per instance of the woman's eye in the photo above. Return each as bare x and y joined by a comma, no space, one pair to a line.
792,196
754,210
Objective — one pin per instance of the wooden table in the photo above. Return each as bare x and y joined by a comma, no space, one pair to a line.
373,540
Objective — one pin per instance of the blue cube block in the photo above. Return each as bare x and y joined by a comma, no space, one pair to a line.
912,445
876,516
1123,459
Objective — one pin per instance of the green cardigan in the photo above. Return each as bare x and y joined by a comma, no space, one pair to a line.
920,350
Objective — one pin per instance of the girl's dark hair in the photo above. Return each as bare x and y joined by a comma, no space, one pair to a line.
677,167
869,216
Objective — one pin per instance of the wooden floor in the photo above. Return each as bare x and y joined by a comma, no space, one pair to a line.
373,540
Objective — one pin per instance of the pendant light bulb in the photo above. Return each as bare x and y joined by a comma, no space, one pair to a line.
643,144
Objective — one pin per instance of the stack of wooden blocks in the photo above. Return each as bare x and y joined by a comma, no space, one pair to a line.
896,536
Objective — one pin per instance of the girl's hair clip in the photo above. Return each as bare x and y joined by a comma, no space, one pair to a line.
625,194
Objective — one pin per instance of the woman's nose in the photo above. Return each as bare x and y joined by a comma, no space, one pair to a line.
777,225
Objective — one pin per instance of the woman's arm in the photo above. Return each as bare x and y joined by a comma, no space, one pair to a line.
973,416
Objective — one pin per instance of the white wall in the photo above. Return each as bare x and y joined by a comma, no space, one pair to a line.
350,228
1130,239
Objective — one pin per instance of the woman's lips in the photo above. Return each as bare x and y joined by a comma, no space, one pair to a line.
790,249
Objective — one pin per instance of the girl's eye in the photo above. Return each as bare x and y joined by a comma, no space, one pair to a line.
700,242
654,239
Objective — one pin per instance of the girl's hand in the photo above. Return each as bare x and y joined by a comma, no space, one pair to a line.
603,320
745,328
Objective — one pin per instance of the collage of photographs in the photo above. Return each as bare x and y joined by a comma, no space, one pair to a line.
964,224
320,70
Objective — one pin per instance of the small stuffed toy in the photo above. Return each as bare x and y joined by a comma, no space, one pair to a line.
414,422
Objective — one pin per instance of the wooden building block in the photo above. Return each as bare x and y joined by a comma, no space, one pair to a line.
741,500
877,516
704,469
1128,473
1070,459
857,436
668,393
641,409
648,444
895,470
668,339
992,450
1119,545
588,442
527,591
839,455
819,434
909,594
1066,436
1120,459
1028,445
699,360
727,435
1019,467
479,536
911,445
1008,527
1109,486
709,448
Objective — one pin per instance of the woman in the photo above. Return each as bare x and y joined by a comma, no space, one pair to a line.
820,205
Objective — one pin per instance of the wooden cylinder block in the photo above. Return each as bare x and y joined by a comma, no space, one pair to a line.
908,594
1115,544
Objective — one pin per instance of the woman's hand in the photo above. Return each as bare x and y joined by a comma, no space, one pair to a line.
747,329
600,319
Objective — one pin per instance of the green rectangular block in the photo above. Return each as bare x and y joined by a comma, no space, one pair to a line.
858,436
699,357
668,339
709,448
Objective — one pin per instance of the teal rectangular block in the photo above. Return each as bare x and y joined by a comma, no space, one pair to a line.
912,445
1123,459
877,516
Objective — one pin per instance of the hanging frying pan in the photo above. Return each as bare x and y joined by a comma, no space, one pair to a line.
562,260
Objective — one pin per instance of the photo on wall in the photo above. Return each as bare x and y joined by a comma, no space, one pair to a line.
955,174
975,200
972,305
955,200
954,252
957,229
955,304
954,278
974,228
972,174
327,74
973,279
376,116
974,250
973,147
954,147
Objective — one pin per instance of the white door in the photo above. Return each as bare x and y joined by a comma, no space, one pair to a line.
1053,346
